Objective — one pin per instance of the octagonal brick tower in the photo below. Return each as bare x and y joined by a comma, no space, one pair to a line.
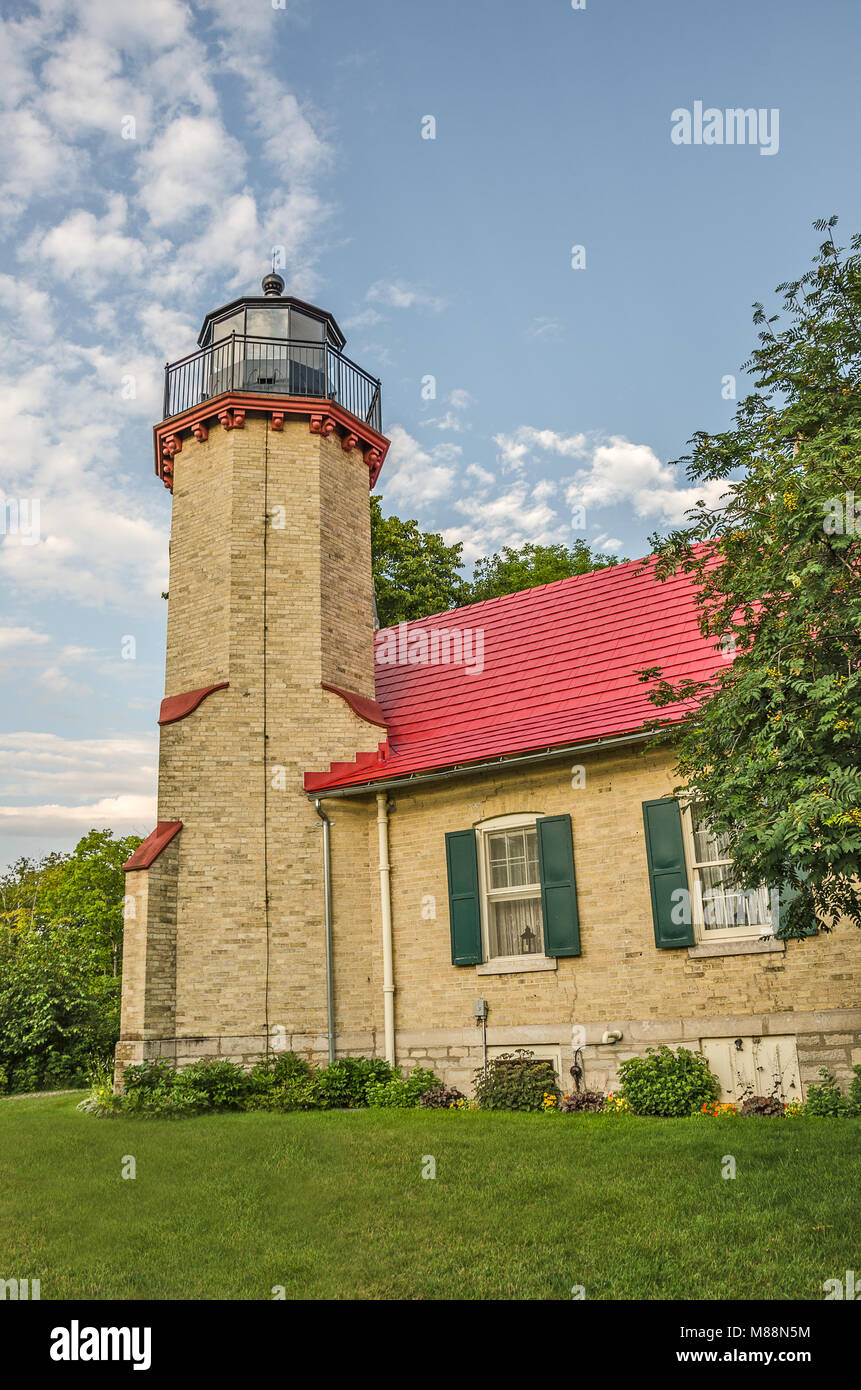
270,439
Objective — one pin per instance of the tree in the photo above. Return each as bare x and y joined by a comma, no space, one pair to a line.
415,572
770,753
61,922
511,570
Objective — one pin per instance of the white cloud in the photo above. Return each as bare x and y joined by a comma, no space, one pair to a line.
193,164
21,637
58,786
516,449
398,294
622,472
415,475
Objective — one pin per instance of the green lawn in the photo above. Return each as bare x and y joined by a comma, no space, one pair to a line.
334,1205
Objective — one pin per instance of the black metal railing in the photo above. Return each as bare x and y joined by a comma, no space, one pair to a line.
271,366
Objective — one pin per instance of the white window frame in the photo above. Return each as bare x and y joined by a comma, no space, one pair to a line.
482,833
702,933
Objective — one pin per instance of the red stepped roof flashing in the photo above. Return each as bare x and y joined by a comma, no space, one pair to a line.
147,852
544,667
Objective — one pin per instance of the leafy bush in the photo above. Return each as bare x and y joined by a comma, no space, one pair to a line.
667,1083
343,1085
855,1090
515,1081
221,1085
762,1105
442,1097
148,1076
827,1099
275,1071
4,1080
297,1092
402,1093
100,1100
579,1101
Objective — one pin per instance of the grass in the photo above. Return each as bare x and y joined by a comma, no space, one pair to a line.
333,1205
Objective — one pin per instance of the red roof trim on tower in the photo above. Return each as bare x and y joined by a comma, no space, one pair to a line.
361,705
152,846
235,405
176,707
557,668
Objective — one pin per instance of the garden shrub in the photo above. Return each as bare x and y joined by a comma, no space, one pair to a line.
827,1099
441,1097
590,1101
400,1092
274,1071
855,1090
667,1083
762,1105
296,1092
220,1084
343,1085
515,1081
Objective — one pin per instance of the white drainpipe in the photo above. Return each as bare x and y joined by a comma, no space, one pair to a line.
386,911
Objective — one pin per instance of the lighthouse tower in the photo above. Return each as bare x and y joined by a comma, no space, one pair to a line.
269,442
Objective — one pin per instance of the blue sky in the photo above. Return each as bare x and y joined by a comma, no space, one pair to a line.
255,127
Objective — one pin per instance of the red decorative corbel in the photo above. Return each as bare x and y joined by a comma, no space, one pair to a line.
349,442
373,457
315,424
167,475
200,432
239,419
172,445
226,418
328,426
278,419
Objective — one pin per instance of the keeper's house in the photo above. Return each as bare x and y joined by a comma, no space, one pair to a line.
366,841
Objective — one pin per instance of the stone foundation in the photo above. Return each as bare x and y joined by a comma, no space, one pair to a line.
828,1038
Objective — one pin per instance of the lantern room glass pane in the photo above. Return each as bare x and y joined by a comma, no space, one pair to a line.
222,328
269,321
305,329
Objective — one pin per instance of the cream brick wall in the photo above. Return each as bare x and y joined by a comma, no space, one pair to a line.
621,980
214,773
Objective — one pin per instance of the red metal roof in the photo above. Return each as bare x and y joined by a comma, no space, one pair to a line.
559,666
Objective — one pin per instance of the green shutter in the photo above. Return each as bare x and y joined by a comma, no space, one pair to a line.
463,907
665,850
558,889
785,896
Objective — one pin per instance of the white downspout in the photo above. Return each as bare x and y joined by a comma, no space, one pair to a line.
386,912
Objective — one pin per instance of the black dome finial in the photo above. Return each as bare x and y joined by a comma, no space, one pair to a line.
273,285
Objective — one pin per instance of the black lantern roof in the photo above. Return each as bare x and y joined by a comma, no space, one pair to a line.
272,315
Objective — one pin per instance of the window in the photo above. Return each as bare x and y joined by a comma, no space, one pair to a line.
721,911
511,888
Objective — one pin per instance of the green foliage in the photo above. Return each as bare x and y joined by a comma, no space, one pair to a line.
100,1099
60,954
296,1092
515,1081
511,570
415,572
855,1090
770,754
400,1092
344,1084
828,1100
667,1083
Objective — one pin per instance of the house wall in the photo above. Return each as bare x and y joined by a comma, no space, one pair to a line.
621,981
